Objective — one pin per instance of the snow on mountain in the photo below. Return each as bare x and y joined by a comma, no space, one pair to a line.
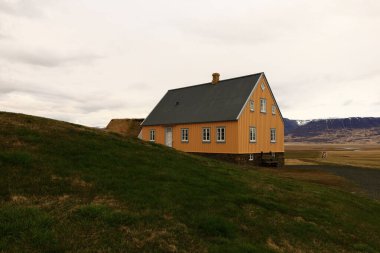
302,122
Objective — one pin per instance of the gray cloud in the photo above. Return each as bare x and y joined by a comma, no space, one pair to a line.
33,89
95,106
356,76
348,102
138,86
225,31
90,102
3,36
26,8
48,59
252,24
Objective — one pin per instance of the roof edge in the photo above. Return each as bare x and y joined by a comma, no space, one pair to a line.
192,122
249,96
142,123
274,98
259,73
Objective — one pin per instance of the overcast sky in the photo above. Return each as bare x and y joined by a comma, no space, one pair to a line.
87,61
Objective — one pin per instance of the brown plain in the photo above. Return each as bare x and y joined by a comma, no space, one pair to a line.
358,155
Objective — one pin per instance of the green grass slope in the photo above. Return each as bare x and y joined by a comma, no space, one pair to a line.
67,188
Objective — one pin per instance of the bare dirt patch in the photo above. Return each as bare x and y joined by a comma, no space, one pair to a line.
107,201
75,181
78,182
18,198
298,162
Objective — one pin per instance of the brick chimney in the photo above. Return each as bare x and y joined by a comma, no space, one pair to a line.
215,78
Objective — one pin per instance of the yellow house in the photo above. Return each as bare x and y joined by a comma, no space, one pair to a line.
236,119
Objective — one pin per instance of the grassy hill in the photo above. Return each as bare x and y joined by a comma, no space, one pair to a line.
65,187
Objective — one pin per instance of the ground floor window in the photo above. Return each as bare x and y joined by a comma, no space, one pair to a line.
206,134
184,134
273,135
220,134
251,157
152,135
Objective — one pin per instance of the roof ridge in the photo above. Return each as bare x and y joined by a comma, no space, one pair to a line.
191,86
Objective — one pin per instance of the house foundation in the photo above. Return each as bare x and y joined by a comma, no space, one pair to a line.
272,159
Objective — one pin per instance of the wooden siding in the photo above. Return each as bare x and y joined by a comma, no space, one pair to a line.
237,132
263,123
195,143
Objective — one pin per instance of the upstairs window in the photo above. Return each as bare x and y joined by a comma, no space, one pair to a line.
252,134
152,135
263,105
273,135
273,109
252,106
220,134
184,134
206,134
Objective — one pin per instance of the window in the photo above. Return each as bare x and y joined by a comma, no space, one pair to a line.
252,134
152,135
273,135
206,134
263,105
220,134
273,109
252,106
251,157
184,134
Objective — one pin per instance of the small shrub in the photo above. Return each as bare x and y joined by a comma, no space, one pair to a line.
237,247
26,228
104,214
362,247
217,226
4,190
92,212
16,158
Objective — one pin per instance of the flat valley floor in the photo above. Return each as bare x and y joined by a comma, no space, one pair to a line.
355,167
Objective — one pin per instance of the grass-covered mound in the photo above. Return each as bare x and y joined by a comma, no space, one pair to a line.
64,187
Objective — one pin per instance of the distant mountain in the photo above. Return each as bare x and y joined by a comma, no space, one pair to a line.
290,125
355,129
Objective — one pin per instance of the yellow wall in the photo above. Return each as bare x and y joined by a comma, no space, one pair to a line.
237,132
195,143
263,123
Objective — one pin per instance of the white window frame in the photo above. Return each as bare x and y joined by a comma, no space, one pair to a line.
251,157
184,135
221,132
273,135
252,105
251,131
263,105
152,135
206,132
274,109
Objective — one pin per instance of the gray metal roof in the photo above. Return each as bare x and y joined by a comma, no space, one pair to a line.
203,103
